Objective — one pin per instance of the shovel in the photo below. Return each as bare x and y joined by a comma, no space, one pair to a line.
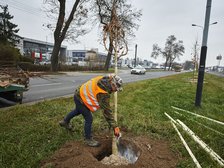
118,138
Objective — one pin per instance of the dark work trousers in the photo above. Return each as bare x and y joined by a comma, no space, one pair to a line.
86,113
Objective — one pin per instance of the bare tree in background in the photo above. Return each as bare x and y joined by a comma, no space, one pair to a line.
195,58
69,25
195,53
173,50
127,16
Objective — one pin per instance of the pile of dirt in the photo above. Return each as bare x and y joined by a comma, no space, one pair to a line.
115,160
152,153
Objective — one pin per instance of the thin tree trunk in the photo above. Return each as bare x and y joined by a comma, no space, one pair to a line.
170,66
107,63
165,65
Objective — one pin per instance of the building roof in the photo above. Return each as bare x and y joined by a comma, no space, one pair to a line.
41,42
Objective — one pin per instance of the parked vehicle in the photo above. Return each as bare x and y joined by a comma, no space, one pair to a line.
138,70
46,62
13,82
11,94
177,68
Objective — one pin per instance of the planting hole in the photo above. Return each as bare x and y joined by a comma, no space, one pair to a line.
128,153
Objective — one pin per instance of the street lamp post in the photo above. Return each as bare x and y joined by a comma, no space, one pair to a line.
202,26
203,54
136,46
197,26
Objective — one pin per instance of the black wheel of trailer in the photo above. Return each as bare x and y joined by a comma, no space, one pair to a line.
11,98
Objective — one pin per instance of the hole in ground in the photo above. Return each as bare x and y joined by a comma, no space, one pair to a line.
126,149
105,151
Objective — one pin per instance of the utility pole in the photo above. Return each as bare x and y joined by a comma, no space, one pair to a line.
136,54
203,55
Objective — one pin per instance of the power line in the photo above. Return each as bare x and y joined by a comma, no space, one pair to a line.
23,8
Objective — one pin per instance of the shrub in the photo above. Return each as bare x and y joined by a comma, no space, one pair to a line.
26,59
9,53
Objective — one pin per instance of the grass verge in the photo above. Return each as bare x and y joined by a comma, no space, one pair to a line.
29,134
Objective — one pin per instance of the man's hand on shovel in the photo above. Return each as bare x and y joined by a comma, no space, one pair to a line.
117,133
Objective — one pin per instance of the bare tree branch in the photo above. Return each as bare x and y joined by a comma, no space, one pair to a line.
125,19
171,51
70,28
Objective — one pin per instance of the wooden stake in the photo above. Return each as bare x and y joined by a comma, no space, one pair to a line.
114,143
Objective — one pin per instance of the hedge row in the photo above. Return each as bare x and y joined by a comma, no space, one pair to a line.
27,66
34,68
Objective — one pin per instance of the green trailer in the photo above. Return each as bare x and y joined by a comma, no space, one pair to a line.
13,82
11,94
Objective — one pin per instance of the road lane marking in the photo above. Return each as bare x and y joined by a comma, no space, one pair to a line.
47,84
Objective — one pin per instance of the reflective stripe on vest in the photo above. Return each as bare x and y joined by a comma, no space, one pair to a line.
88,93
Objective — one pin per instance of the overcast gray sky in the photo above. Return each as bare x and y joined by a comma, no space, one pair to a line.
161,18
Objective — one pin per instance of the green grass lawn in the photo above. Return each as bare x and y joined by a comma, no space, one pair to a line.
30,133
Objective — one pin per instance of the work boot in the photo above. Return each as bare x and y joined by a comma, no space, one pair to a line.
91,142
66,125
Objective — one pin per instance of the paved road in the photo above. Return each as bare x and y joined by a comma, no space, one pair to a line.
220,74
52,86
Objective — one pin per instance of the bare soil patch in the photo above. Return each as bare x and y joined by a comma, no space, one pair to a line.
151,153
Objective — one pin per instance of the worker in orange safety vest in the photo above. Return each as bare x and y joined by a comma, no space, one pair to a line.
88,98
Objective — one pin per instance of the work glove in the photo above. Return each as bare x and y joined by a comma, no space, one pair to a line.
117,131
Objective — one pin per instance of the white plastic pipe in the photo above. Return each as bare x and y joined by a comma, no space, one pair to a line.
219,122
203,125
170,118
214,155
184,142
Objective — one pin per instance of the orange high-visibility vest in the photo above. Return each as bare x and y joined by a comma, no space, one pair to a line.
89,91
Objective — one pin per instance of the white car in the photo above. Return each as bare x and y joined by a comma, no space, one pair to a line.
46,62
138,70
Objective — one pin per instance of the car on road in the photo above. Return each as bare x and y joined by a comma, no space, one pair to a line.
45,62
138,70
